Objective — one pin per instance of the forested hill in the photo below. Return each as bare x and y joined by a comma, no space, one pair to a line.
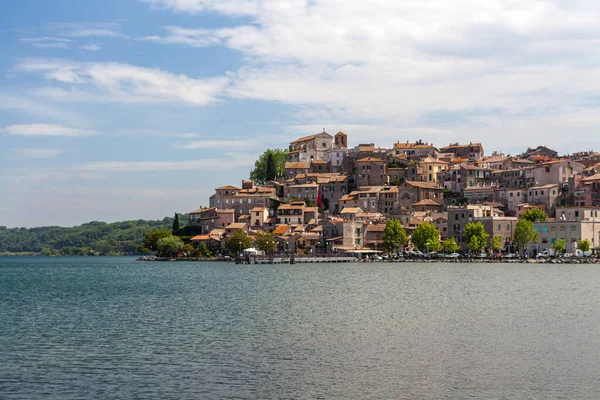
92,238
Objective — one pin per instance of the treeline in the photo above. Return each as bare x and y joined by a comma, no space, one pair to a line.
92,238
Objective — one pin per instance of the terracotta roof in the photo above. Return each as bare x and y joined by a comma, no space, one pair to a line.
201,210
318,162
227,187
425,185
548,186
412,146
258,209
200,238
281,229
376,228
427,202
297,165
305,138
237,225
340,133
227,211
351,210
370,159
594,177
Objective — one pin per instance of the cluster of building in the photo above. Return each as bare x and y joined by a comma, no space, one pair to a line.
333,198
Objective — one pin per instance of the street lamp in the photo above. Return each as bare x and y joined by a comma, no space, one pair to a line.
427,244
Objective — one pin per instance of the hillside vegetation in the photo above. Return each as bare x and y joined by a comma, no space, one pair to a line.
92,238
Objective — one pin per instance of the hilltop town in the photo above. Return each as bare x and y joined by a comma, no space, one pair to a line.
335,199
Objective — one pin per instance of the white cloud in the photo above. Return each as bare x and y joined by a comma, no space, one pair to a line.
91,47
88,29
208,164
187,37
36,153
47,42
47,130
229,7
123,82
403,64
217,144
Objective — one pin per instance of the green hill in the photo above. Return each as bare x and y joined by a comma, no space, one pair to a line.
92,238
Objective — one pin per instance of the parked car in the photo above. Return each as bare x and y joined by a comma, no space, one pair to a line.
453,255
509,255
566,255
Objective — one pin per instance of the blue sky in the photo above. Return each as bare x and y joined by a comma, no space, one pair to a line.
127,109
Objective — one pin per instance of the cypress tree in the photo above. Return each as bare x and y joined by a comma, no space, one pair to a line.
176,223
271,172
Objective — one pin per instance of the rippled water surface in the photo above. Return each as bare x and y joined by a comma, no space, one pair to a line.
100,328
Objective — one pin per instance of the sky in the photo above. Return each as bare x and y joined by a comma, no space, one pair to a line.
115,110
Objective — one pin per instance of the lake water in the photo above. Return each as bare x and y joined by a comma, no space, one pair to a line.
113,328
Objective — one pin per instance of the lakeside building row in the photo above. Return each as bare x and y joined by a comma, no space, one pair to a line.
335,198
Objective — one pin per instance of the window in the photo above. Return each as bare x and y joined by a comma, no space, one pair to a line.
576,214
573,228
499,227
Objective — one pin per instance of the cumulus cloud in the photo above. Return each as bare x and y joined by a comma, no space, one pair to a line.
229,7
418,64
124,82
47,130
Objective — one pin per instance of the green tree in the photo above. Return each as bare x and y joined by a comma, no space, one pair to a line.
584,245
238,241
151,238
535,215
394,235
524,233
426,237
475,244
271,172
265,241
496,243
175,224
169,246
450,245
260,174
188,249
559,246
477,230
203,251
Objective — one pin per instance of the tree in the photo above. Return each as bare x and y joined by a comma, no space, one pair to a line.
584,245
260,173
426,237
559,246
203,251
496,243
271,172
188,249
524,233
151,238
476,230
265,241
175,223
394,235
450,245
238,241
169,246
535,215
475,244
